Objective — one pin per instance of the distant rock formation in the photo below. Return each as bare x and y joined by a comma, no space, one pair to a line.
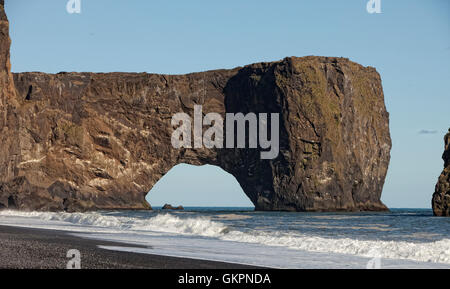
170,207
441,196
87,141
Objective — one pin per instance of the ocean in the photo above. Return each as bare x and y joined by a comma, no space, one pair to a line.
401,238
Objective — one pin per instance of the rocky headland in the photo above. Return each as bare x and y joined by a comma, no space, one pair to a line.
88,141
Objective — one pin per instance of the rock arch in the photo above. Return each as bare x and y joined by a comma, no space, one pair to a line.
83,141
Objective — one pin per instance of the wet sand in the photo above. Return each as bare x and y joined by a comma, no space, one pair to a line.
46,249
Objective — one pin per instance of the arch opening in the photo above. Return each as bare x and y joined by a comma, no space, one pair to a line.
198,186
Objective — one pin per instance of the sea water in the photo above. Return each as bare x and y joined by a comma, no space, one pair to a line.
401,238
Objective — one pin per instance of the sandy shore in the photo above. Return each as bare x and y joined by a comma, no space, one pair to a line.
37,248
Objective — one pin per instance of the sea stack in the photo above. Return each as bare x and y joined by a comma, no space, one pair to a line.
441,196
89,141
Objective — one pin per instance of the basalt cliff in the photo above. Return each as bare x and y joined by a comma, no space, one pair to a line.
87,141
441,196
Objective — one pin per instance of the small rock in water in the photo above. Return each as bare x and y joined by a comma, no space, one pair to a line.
170,207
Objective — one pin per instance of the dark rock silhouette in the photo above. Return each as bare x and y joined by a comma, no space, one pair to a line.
86,141
170,207
441,196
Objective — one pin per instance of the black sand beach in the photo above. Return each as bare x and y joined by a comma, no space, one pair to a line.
26,248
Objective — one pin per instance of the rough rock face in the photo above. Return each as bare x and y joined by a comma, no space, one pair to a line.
85,141
9,121
441,196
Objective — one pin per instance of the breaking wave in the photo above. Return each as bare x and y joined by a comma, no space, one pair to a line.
164,223
435,251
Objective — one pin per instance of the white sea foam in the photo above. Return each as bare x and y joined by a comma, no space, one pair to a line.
436,251
164,222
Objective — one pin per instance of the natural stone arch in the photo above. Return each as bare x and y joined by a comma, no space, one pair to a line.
82,141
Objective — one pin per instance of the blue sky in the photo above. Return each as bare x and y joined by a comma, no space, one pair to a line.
408,43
